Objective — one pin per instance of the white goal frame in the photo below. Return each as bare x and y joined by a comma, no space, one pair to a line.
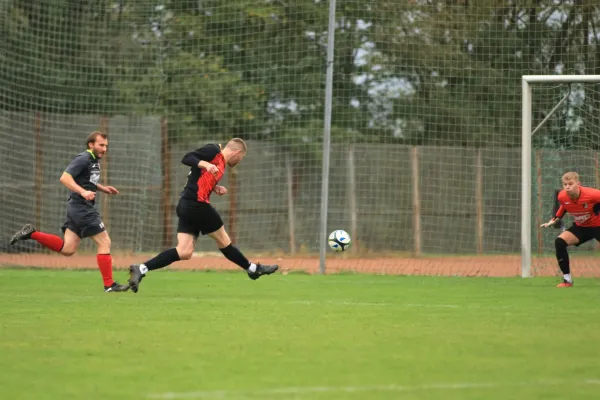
527,133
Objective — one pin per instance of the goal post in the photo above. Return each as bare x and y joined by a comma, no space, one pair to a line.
526,153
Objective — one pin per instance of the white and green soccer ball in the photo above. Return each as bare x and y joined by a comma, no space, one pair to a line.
339,240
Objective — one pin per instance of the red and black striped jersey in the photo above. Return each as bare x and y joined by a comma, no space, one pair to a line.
200,183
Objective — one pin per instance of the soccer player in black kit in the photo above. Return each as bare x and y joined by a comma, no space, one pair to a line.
196,214
81,177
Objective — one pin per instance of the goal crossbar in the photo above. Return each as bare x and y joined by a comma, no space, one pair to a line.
526,135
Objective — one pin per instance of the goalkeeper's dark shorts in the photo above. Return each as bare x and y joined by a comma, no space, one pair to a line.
82,218
196,217
585,233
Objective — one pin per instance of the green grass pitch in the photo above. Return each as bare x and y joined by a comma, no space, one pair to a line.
199,335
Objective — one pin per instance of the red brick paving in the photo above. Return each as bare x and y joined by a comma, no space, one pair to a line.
492,265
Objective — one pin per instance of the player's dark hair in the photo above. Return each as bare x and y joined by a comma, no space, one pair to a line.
94,135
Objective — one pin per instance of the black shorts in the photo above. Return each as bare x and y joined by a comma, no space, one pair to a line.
83,219
196,217
585,233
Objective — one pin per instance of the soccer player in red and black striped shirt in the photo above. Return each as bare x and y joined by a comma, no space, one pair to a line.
583,203
196,214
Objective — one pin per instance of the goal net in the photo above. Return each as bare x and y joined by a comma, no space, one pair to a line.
565,123
425,125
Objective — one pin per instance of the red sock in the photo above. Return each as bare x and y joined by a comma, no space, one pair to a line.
48,240
105,265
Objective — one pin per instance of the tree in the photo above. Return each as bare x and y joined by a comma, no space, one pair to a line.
421,72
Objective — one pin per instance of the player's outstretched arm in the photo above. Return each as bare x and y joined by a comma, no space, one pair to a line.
107,189
550,223
559,214
67,180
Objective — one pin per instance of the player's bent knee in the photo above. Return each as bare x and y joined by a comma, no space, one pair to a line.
186,255
67,252
560,243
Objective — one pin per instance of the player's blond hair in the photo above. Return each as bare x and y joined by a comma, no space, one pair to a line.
570,176
237,144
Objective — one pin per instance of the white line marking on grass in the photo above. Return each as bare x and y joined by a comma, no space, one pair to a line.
383,304
224,394
71,299
302,302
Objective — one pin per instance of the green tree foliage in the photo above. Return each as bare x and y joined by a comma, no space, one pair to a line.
420,71
53,56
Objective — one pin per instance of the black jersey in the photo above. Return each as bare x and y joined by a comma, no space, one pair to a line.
85,170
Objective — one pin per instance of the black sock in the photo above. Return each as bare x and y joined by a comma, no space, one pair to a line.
235,256
558,224
562,255
163,259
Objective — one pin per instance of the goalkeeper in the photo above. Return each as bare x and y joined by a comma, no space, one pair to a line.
583,203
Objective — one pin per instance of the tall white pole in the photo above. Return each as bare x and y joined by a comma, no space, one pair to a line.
327,136
352,197
526,180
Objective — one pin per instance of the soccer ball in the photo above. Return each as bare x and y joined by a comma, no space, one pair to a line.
339,240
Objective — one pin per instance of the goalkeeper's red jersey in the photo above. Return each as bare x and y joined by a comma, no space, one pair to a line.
584,210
